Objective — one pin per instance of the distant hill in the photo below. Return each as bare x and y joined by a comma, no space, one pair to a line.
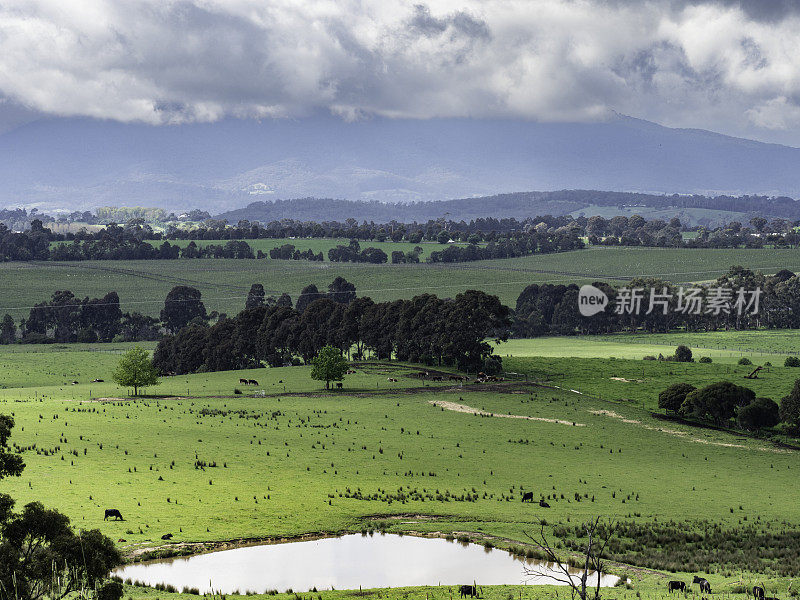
694,210
79,164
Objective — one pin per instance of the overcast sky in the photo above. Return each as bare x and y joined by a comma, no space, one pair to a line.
724,65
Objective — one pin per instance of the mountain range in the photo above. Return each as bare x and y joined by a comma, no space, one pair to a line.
80,164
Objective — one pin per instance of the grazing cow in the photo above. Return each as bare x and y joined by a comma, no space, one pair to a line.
468,590
252,382
244,381
703,583
339,385
527,497
543,504
758,592
113,513
675,586
166,536
122,540
97,381
74,383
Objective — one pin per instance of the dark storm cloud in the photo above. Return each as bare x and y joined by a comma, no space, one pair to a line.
721,64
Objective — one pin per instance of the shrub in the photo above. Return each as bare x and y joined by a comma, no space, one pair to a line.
760,413
672,398
683,354
705,359
792,361
745,361
649,357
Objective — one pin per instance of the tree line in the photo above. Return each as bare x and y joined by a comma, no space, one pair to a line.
553,309
425,329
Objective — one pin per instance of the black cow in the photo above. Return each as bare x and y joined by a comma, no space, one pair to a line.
244,381
253,382
704,585
543,504
113,513
675,586
468,590
166,536
758,592
527,497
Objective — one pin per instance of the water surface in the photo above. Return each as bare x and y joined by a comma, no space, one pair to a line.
345,562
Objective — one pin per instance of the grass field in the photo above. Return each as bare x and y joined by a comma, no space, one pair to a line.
206,465
721,346
143,285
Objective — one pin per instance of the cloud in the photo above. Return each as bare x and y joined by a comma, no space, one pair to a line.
730,65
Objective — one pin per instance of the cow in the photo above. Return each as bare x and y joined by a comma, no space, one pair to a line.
703,583
674,586
543,504
74,383
339,385
97,381
252,382
527,497
244,381
758,592
113,513
166,536
122,540
468,590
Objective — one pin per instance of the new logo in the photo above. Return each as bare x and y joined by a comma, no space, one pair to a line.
591,300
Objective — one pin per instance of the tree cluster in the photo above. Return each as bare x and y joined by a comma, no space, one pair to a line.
722,402
353,253
424,329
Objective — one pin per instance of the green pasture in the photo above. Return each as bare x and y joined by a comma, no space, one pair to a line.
143,285
721,346
204,464
638,382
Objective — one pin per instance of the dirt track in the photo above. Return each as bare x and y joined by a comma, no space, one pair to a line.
454,406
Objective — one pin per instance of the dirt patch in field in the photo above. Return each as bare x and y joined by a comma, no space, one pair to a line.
454,406
681,434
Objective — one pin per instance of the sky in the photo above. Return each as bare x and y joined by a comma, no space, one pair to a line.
723,65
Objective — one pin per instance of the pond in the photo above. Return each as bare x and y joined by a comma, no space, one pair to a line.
346,562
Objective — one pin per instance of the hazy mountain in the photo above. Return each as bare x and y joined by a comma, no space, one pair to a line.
80,163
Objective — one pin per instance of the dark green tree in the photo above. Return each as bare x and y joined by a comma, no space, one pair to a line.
672,398
255,297
182,305
329,365
342,291
790,406
760,413
683,354
717,402
307,295
8,330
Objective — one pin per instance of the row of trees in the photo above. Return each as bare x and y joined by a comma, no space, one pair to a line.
425,329
723,402
654,305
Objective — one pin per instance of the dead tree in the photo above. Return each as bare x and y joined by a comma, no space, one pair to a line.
557,569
